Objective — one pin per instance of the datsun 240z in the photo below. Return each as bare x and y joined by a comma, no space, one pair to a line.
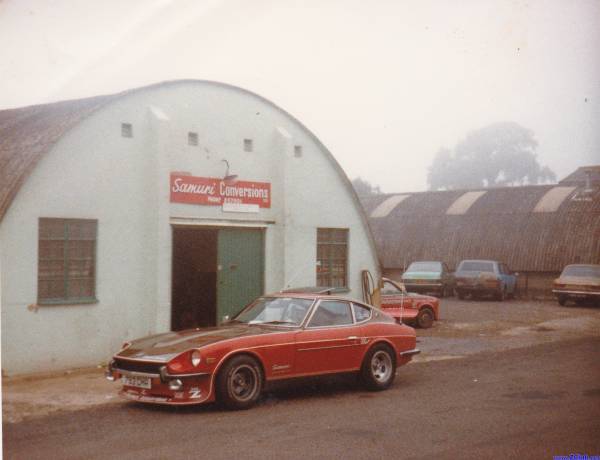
276,337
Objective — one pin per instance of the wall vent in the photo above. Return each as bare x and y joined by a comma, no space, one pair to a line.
192,138
298,151
126,130
248,145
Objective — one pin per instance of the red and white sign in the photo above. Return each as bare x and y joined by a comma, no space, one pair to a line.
216,192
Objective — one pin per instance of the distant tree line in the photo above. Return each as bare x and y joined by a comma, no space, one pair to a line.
365,188
501,154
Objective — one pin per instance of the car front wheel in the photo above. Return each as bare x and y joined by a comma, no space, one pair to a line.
379,368
239,382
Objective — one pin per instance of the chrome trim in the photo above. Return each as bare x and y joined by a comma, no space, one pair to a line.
186,376
141,360
333,346
414,351
165,376
558,291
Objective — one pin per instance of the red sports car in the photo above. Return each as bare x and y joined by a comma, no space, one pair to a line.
276,337
409,307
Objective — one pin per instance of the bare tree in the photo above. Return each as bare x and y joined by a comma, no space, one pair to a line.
500,154
364,188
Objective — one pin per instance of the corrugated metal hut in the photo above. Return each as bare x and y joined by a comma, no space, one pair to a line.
536,230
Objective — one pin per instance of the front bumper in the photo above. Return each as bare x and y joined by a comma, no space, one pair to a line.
477,288
414,351
164,388
574,293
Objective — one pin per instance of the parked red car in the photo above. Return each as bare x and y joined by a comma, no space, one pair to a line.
276,337
420,309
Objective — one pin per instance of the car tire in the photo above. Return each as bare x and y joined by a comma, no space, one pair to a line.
501,295
378,369
562,300
239,383
425,318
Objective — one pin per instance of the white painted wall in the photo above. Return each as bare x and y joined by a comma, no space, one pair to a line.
93,172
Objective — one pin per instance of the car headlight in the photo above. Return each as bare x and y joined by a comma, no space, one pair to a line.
196,358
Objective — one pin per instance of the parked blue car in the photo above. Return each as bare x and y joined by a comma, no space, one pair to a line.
479,278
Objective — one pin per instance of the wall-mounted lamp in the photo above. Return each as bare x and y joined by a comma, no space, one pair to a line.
229,177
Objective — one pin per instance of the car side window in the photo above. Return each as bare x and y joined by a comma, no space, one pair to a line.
361,313
331,313
390,289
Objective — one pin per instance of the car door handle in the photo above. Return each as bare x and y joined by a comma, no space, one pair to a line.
353,337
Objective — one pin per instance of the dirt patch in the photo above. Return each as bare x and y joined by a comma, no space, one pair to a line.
37,396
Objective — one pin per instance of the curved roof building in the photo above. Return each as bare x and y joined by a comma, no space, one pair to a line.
163,207
539,228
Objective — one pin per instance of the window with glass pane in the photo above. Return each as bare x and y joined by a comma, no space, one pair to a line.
66,261
332,257
331,313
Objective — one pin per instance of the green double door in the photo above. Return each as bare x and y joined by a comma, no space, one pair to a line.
240,269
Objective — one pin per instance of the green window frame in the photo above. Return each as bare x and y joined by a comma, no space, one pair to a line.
66,261
332,257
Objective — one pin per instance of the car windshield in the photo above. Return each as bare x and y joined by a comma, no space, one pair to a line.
425,267
476,266
585,271
288,311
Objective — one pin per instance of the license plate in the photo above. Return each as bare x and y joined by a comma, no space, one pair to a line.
138,382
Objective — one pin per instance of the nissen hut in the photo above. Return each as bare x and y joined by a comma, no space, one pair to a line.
161,208
536,230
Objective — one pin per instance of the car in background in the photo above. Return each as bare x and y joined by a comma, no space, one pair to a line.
579,282
422,310
276,337
478,278
429,277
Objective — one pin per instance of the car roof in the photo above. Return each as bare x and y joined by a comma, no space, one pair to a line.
481,260
309,296
426,261
582,265
326,290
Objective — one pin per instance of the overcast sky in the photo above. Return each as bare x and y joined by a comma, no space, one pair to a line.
383,84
